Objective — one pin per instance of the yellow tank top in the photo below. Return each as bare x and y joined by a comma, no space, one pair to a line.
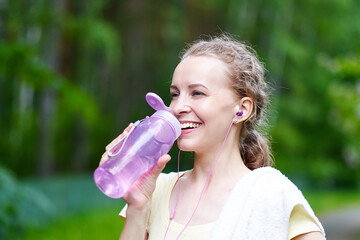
300,221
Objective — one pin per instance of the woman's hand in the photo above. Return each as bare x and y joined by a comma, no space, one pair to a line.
139,194
138,197
141,191
105,156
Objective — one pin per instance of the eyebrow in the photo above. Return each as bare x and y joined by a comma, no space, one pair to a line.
173,87
194,85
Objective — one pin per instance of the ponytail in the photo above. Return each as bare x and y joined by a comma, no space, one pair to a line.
255,150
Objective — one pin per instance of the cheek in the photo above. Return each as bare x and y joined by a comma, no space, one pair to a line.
172,106
215,112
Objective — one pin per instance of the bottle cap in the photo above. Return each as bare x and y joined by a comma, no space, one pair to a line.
171,119
163,111
156,102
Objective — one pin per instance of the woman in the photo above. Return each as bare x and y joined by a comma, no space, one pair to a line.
219,96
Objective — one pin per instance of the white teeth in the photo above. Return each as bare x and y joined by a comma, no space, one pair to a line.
190,125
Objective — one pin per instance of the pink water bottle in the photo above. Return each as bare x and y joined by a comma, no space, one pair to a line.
139,151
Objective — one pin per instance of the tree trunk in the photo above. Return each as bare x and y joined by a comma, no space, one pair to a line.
46,163
50,42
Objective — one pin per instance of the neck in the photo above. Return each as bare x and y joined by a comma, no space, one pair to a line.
228,161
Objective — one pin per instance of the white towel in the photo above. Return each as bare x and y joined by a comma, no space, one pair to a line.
259,208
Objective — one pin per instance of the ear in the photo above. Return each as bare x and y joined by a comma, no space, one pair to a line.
246,105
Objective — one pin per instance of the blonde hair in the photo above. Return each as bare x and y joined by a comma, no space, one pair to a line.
246,74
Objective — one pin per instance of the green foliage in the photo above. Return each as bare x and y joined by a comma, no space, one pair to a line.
22,70
344,94
70,207
73,74
20,207
96,35
324,202
39,99
82,210
19,63
309,97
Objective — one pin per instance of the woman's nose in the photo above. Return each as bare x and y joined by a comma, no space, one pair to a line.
179,107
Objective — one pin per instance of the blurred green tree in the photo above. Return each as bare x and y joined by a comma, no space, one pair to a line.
74,73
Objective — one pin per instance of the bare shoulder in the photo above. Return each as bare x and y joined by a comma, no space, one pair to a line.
310,236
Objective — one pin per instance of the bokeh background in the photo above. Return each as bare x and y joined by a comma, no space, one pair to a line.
73,74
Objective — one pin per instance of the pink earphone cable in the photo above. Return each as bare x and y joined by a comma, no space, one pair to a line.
177,195
202,191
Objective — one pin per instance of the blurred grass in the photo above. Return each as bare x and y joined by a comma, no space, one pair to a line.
93,224
324,202
83,212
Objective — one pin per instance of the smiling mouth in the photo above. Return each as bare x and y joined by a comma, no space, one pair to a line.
190,125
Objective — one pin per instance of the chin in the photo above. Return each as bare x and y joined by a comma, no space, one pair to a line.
186,147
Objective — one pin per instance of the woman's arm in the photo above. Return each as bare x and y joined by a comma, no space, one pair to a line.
135,224
310,236
138,197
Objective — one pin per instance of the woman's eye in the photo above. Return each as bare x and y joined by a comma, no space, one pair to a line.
173,95
197,93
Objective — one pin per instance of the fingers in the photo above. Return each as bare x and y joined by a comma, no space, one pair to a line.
129,127
160,165
105,157
121,136
142,190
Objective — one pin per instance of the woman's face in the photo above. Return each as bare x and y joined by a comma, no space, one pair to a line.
203,102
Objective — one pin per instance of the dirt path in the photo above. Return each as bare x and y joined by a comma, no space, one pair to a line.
342,224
